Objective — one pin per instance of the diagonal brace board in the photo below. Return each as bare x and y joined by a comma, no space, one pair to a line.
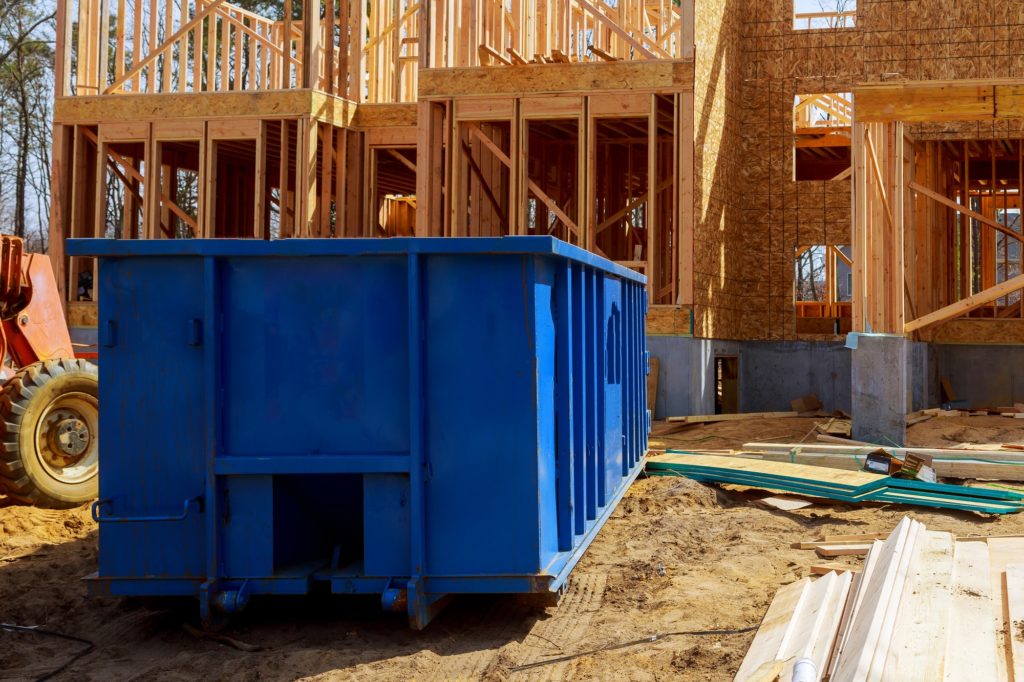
965,305
531,185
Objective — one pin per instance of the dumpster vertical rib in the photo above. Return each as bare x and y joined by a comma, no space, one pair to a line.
629,381
625,333
566,453
601,364
595,455
579,411
211,352
645,369
419,612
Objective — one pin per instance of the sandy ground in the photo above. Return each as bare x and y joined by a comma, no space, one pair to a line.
676,556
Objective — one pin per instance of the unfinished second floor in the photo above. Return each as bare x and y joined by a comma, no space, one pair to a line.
365,52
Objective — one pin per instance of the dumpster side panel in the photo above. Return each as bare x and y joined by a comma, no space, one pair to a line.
613,322
481,415
151,379
317,351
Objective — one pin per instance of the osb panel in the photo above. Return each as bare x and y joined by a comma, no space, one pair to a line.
721,266
82,314
979,331
747,285
670,320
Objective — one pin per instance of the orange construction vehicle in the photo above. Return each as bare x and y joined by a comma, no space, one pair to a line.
49,405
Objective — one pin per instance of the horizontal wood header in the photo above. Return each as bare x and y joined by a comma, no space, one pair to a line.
921,101
90,110
538,79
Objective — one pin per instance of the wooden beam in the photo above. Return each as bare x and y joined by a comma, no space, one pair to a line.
616,29
578,77
531,185
921,101
842,176
608,57
483,183
516,58
90,110
486,51
966,305
402,159
145,61
607,222
949,203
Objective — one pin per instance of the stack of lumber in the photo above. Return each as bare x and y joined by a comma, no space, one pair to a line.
834,484
925,606
802,623
997,463
1016,412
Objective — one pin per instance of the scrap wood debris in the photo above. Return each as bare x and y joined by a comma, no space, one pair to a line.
925,606
834,484
993,462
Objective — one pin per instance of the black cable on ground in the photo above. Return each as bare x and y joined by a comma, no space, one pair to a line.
89,646
622,645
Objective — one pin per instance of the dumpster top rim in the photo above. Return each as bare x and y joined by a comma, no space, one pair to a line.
525,245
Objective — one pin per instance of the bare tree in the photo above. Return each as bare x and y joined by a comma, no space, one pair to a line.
26,84
839,8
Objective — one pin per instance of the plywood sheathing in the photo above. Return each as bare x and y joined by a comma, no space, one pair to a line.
748,294
722,268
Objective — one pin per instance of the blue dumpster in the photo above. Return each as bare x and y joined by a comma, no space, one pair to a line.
412,418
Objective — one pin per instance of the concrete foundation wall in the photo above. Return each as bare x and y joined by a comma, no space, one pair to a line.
881,381
771,374
983,376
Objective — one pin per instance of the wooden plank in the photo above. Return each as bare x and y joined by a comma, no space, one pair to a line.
823,569
920,629
928,101
843,549
531,185
535,79
709,418
1013,585
818,640
972,624
615,28
486,53
385,115
871,623
853,479
154,53
949,203
206,106
840,540
652,384
772,631
1002,552
965,305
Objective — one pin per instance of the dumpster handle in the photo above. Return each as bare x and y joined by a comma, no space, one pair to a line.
196,501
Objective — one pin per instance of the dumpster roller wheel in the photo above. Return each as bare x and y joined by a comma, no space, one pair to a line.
50,441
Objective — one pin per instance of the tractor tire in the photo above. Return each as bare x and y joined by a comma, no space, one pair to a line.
49,438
